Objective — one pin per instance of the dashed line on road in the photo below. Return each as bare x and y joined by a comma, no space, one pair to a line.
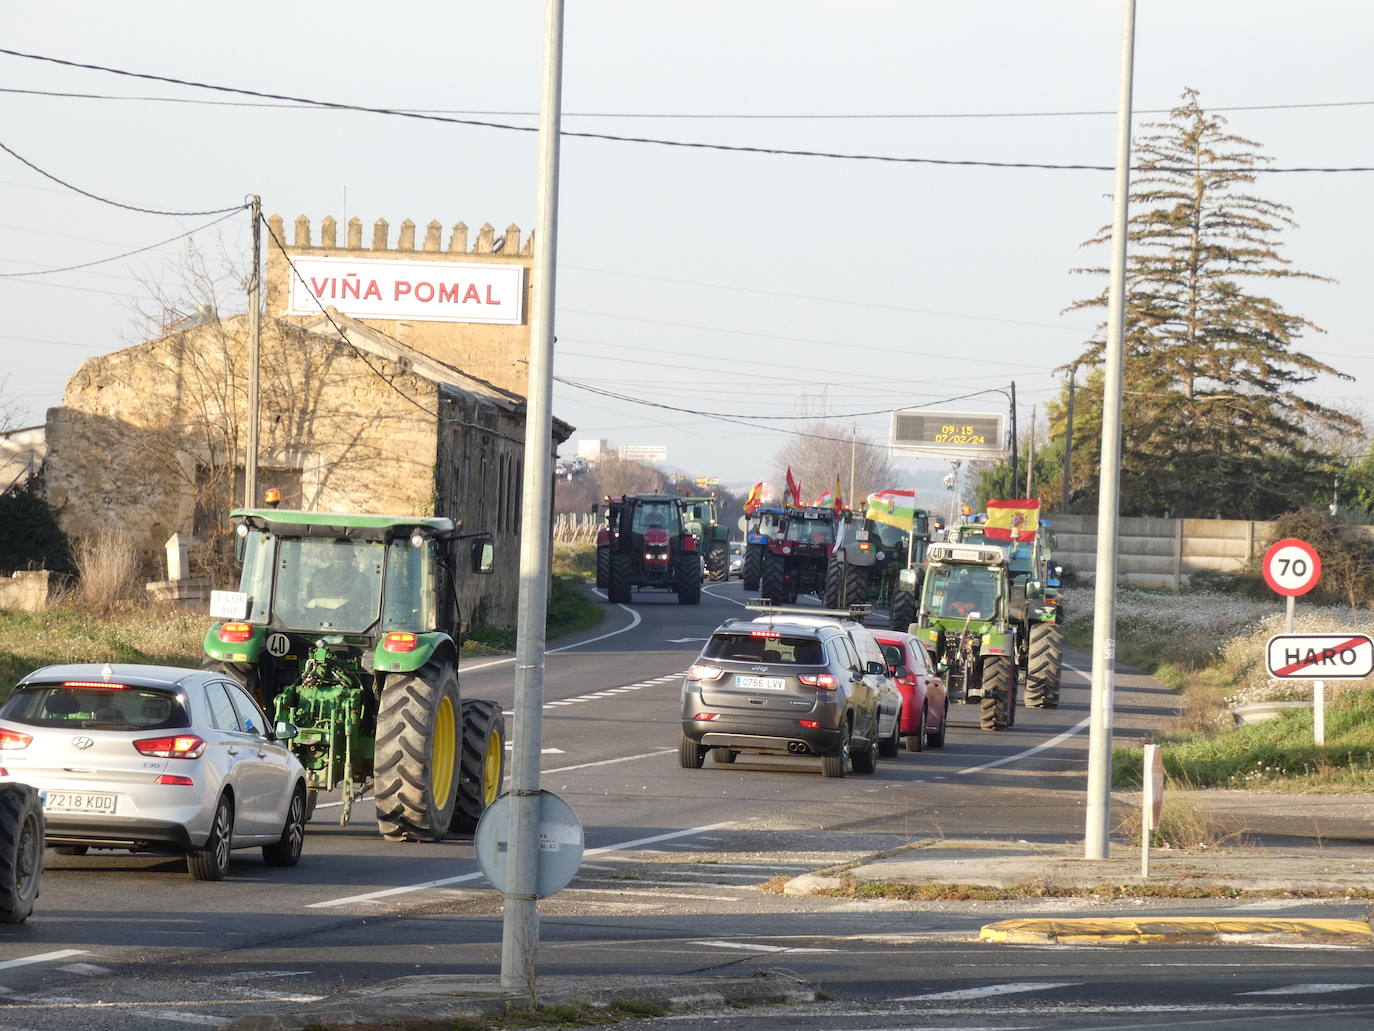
1011,988
609,762
1308,989
752,947
42,957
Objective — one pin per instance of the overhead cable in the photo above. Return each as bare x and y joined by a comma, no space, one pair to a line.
117,257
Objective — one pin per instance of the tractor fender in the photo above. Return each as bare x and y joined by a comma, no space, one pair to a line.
235,651
690,543
603,537
437,645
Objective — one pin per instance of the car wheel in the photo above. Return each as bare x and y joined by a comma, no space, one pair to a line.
211,863
690,755
836,764
917,742
287,850
936,738
890,745
724,756
866,762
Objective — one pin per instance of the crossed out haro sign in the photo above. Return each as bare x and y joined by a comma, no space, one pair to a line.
1345,656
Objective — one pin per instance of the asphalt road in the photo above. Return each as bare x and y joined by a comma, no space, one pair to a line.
670,880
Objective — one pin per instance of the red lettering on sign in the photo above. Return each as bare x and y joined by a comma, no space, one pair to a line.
350,285
318,285
472,294
372,291
402,287
448,293
490,298
424,292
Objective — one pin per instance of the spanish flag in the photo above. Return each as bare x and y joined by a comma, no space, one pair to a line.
1014,520
755,498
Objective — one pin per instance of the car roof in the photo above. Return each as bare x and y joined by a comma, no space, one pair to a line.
798,627
811,621
119,673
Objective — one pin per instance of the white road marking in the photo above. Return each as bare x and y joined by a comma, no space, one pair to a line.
42,957
732,601
654,895
1308,989
634,622
987,990
84,968
373,896
687,640
335,805
199,1019
749,946
510,747
608,762
1030,751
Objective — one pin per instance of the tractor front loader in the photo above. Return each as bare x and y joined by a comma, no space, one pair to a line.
348,626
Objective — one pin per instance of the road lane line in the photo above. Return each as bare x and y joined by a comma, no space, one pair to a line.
198,1019
751,947
1076,728
713,594
42,957
1308,989
373,896
608,762
1012,988
634,622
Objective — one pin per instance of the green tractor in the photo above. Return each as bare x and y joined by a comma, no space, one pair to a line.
878,561
964,618
701,516
1035,606
348,626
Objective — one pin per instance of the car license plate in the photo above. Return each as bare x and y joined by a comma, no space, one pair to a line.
760,683
79,802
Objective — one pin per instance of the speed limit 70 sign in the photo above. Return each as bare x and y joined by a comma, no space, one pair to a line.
1292,567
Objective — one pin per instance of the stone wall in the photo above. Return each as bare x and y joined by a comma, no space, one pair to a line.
25,591
494,353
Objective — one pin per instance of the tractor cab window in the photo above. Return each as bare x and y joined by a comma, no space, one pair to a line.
811,531
957,591
656,515
889,537
410,587
256,580
328,585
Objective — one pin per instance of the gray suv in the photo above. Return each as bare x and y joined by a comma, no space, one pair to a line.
777,687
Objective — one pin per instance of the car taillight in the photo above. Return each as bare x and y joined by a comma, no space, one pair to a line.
865,545
824,681
400,642
14,739
765,633
810,724
171,778
102,684
701,671
235,633
706,716
182,746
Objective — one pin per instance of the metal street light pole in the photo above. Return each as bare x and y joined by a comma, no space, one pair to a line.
1104,610
520,925
250,449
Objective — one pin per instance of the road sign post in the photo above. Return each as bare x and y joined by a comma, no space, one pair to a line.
1151,801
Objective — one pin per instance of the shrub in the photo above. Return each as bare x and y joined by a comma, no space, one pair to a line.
107,567
29,535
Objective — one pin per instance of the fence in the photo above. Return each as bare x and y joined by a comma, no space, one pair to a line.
1166,552
576,527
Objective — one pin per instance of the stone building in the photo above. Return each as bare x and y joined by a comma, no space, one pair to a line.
376,415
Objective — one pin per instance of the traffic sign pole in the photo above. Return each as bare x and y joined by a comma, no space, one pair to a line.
1292,604
1318,712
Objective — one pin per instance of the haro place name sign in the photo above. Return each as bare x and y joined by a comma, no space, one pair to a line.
426,291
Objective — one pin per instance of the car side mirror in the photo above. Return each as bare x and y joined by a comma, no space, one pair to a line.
285,731
899,672
1034,588
483,556
876,669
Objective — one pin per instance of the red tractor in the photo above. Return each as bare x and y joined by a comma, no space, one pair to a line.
796,557
644,544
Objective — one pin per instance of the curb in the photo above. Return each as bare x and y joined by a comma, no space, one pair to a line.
441,997
1177,930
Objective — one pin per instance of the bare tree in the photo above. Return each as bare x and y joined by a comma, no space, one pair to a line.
625,476
821,453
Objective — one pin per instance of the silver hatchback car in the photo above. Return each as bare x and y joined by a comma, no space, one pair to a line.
155,759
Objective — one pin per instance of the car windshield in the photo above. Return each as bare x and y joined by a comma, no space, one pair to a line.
961,590
651,515
801,529
324,584
97,706
764,646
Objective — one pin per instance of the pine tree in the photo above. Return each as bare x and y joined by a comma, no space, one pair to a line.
1212,420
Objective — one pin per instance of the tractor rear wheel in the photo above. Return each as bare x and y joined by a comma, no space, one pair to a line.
21,851
902,608
753,562
688,578
603,566
773,579
718,561
482,765
1043,666
999,686
834,582
418,735
618,580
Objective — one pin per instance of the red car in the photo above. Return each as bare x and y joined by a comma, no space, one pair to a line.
925,703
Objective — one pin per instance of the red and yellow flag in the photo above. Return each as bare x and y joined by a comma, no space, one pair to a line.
755,498
794,497
1014,520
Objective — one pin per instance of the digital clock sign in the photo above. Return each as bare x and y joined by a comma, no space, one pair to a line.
952,435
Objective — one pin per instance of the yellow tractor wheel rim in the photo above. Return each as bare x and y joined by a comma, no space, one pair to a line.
443,750
491,767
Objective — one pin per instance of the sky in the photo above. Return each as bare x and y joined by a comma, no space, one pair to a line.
700,278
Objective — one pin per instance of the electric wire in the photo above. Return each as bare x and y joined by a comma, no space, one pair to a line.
117,257
114,203
684,144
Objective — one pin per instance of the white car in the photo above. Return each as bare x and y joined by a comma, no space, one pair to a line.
155,759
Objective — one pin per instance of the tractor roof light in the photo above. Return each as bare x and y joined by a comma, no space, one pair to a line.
241,529
417,539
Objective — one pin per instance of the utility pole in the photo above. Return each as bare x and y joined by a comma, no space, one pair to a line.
1068,439
520,924
250,457
1013,437
1030,454
1099,802
853,454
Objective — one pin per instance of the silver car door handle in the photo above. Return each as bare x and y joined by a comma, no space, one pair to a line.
262,754
234,751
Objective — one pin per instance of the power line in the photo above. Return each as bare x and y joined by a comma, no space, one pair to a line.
118,204
611,137
704,115
117,257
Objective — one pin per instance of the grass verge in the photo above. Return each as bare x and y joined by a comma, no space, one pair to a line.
563,1014
987,893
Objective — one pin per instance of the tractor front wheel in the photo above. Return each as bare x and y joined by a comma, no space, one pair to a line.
618,580
688,578
718,561
902,608
603,566
1043,666
856,587
834,582
773,579
483,764
999,687
418,736
753,566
